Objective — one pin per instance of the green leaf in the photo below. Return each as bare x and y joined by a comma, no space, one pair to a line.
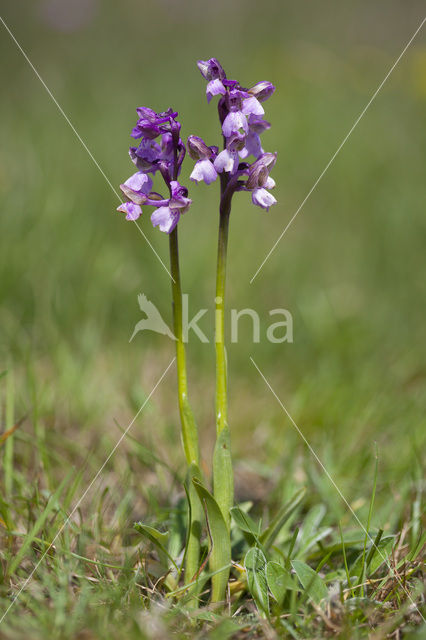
255,565
158,538
313,585
268,536
246,524
279,581
220,543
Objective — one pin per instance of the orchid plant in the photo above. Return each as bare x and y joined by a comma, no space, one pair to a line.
242,165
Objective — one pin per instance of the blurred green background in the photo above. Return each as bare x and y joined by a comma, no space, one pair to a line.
351,269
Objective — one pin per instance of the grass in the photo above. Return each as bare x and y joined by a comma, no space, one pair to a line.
350,270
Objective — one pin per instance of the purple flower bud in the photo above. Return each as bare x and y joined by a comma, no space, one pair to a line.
167,147
211,69
267,159
263,198
146,129
197,148
140,163
257,177
137,187
262,90
132,211
147,154
203,170
236,142
179,198
165,219
231,84
146,113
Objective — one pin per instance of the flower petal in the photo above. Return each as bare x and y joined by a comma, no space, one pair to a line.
252,106
252,146
165,219
203,170
233,122
263,198
132,210
214,88
226,161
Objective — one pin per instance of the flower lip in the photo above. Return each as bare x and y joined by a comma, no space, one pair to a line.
203,171
132,210
165,219
262,198
233,122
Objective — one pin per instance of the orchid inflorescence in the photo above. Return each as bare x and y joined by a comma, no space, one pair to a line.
150,157
161,149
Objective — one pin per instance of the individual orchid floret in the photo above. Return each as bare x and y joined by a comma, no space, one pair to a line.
167,216
132,210
137,187
259,181
213,72
228,159
203,169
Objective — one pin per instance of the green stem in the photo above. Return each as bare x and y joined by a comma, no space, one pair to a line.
223,477
189,429
221,386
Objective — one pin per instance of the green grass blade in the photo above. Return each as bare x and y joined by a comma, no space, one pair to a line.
268,536
52,503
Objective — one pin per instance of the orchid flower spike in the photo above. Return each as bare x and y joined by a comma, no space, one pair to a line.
162,150
241,114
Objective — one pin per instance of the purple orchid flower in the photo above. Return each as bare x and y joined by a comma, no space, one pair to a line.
212,71
204,169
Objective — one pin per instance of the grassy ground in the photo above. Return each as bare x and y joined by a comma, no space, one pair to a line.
350,270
